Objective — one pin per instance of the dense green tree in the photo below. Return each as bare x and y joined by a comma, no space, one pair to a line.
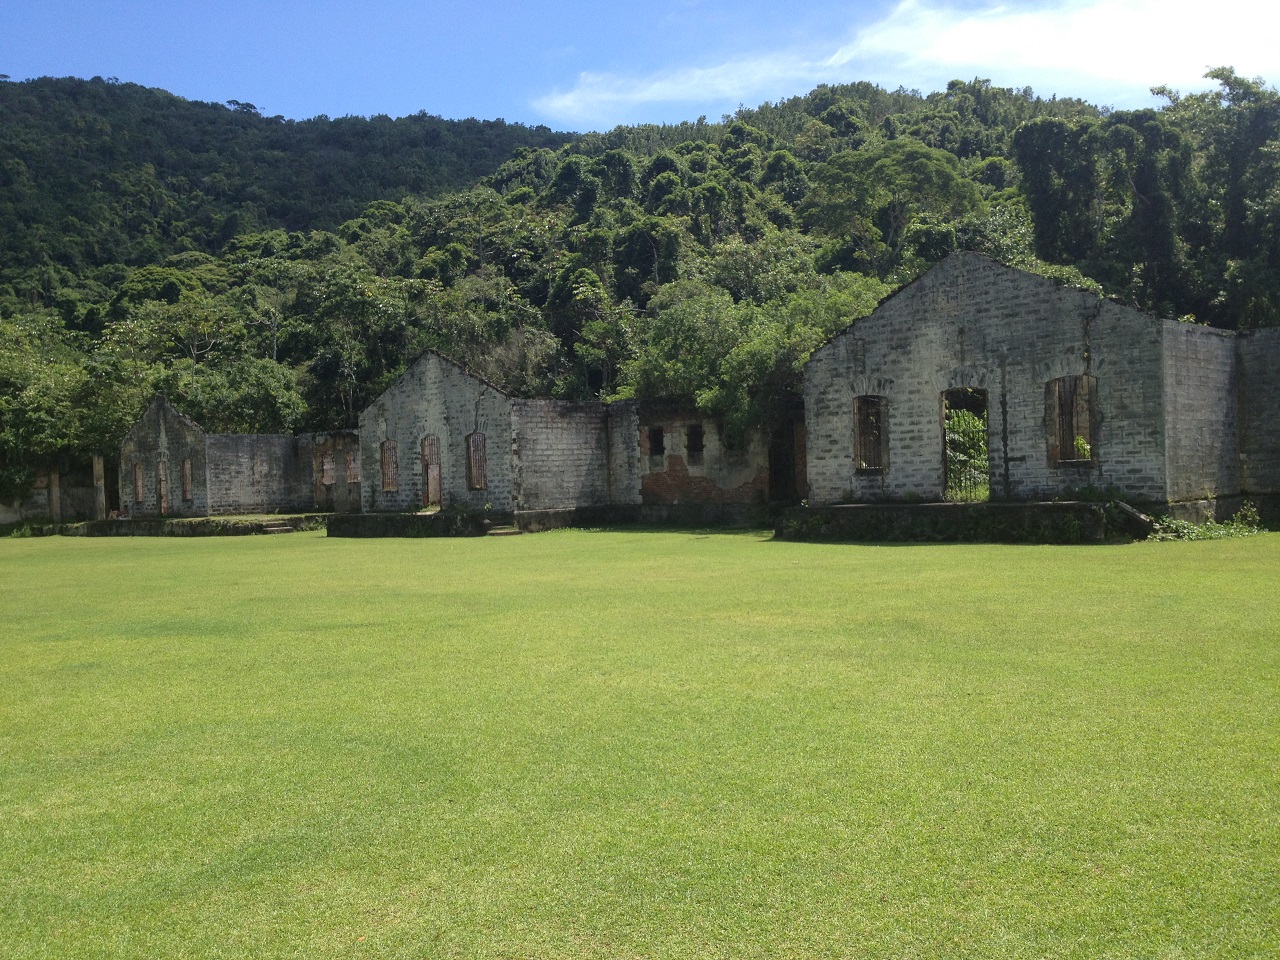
277,276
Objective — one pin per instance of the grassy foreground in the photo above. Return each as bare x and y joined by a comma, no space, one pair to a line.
638,745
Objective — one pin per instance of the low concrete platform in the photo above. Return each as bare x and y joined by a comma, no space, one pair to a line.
1054,522
184,526
439,524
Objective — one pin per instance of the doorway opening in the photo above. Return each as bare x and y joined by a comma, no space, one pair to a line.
966,458
431,490
782,463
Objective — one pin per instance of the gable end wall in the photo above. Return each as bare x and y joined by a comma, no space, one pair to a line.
163,435
973,323
436,397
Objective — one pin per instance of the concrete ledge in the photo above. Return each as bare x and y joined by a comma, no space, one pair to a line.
536,521
734,515
443,524
179,527
1066,522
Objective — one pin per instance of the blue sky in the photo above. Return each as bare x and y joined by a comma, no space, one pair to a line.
592,65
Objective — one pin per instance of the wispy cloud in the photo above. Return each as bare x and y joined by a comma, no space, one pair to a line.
1108,51
599,95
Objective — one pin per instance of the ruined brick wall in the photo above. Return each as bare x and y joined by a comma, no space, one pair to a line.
259,473
69,485
1258,355
718,475
162,440
561,454
973,323
1202,459
437,398
626,465
335,471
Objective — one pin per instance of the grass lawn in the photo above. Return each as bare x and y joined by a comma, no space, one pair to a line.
583,744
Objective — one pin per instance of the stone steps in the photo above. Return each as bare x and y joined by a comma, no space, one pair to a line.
277,528
505,531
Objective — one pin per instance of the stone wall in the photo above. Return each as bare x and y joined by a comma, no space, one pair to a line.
680,473
436,398
971,323
560,453
335,471
160,442
1201,444
625,463
1258,355
259,473
65,493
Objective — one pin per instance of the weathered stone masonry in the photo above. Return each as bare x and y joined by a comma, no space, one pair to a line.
436,415
1156,401
684,459
170,467
573,454
1078,392
440,436
164,465
1258,358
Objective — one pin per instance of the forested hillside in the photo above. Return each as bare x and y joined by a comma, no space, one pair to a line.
97,172
700,260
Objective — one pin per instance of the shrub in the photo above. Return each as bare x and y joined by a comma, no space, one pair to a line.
1245,523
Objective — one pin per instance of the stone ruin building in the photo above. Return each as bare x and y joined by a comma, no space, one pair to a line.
441,436
1077,392
169,467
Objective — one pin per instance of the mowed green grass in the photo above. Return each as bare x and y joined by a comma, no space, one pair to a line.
586,744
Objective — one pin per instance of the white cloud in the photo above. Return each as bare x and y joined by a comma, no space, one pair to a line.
1106,51
1086,48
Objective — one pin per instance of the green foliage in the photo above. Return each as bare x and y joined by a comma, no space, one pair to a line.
273,275
94,172
967,456
1245,523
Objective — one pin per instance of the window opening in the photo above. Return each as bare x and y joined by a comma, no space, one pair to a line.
431,470
871,440
477,463
694,444
1070,414
390,467
966,454
137,483
186,479
353,468
328,469
162,486
657,445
